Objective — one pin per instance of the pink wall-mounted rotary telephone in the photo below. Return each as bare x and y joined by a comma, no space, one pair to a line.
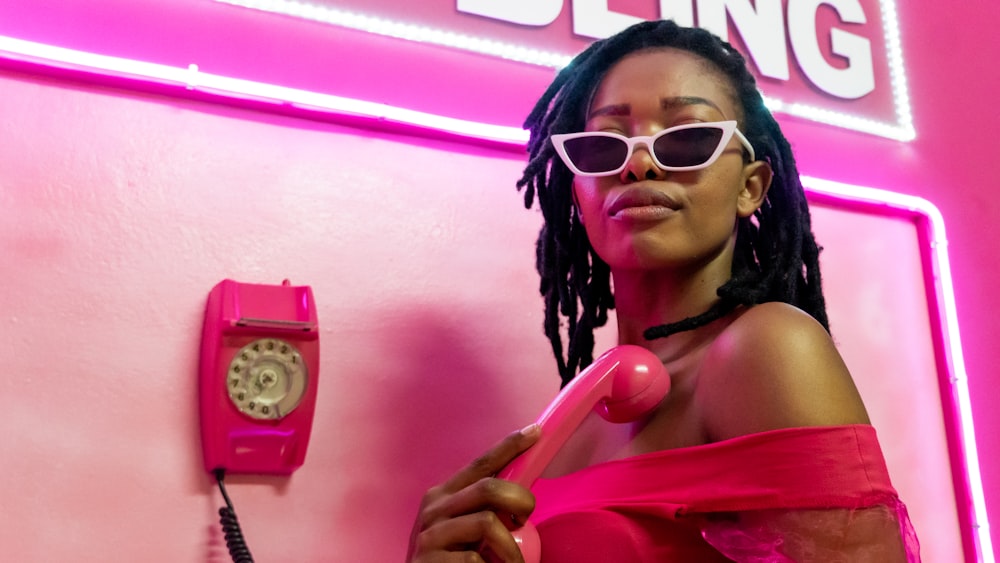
258,373
622,385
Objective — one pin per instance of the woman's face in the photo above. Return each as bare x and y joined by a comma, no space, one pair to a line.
648,218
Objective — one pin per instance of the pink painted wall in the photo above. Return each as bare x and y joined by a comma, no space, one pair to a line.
120,212
122,209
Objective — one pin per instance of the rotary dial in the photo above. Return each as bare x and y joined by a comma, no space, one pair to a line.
267,379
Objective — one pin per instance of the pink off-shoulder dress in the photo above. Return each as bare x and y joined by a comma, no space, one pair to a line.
818,494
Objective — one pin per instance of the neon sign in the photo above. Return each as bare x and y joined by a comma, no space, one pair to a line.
834,47
763,30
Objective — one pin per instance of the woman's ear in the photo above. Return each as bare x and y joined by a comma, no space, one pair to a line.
757,177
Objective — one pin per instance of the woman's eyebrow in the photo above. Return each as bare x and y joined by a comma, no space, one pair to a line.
682,101
665,103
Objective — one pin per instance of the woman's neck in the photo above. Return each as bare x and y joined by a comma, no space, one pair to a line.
644,299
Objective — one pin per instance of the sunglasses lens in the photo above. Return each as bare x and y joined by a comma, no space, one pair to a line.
596,154
688,147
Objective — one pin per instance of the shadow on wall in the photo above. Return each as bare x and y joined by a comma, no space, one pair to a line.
437,398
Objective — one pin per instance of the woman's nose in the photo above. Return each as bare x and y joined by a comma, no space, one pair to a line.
641,166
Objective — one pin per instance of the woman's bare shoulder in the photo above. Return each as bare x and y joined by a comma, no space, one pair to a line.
775,367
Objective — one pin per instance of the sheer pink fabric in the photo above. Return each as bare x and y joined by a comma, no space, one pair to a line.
799,494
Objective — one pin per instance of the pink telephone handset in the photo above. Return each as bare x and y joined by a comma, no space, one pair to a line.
257,377
622,385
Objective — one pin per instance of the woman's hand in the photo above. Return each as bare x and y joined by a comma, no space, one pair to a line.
472,511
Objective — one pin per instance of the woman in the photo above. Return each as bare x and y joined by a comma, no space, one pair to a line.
660,173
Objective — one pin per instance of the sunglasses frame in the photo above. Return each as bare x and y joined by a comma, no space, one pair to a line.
728,128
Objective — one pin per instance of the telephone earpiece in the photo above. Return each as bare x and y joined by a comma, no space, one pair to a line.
622,385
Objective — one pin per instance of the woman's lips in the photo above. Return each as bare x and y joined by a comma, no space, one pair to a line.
642,204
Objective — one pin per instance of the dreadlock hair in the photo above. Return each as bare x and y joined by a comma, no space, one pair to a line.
776,256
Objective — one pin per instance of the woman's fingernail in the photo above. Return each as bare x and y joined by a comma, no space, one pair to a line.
529,429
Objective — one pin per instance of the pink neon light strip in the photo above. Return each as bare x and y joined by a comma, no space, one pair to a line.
183,81
937,271
234,89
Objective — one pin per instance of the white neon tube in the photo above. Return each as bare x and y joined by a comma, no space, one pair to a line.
902,130
192,79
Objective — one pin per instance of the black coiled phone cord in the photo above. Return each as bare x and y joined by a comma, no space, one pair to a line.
235,541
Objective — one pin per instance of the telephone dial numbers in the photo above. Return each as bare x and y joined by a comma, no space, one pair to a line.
267,379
